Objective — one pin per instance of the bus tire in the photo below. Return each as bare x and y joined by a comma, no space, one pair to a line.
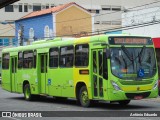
27,93
83,97
124,102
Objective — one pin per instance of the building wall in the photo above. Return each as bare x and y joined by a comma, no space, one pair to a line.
142,22
38,24
73,27
6,35
96,7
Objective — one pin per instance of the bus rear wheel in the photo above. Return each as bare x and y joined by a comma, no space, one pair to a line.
27,92
124,102
83,97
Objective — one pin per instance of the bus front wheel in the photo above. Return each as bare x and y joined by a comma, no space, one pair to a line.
27,92
124,102
83,97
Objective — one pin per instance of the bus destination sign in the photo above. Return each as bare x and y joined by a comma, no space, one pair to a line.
130,40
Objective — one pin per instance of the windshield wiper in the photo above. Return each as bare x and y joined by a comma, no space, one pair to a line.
130,57
140,55
127,53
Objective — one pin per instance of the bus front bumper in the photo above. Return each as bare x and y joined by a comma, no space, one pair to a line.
132,95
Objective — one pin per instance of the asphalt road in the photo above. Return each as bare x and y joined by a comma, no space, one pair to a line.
15,102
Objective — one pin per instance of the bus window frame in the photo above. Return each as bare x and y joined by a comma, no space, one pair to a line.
57,55
75,56
32,66
61,66
34,61
8,65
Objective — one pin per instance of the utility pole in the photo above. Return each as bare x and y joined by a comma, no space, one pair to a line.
21,35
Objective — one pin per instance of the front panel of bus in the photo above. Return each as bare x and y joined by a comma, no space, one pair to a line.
132,68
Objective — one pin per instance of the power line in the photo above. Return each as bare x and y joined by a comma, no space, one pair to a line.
107,13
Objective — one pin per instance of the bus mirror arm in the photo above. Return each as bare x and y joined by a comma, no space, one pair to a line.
108,53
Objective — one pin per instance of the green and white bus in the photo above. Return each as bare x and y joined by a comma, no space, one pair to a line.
115,68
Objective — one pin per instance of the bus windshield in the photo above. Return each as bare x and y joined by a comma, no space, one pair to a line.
133,63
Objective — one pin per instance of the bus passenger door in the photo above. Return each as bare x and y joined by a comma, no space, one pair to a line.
99,69
13,72
43,71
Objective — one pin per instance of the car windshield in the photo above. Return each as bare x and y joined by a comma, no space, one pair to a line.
133,63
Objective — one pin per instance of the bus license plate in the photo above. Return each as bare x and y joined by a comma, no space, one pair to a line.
138,97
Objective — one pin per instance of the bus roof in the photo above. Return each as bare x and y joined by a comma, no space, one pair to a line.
66,41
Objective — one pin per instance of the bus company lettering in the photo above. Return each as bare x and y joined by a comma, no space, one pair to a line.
15,114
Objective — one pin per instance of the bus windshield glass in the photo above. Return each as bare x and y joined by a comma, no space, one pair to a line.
133,63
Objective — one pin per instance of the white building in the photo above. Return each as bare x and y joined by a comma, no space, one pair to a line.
145,21
102,9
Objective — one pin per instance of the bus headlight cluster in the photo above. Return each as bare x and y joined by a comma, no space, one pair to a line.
155,85
115,85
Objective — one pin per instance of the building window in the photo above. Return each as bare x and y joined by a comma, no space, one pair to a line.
31,33
20,8
82,55
46,31
1,42
52,5
53,57
5,61
116,8
36,7
9,8
106,7
4,42
14,42
97,22
97,11
47,6
66,56
25,7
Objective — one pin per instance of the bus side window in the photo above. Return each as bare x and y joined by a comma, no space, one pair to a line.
28,59
5,61
66,56
81,55
105,65
53,57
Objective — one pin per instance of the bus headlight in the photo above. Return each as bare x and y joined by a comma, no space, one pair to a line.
116,87
155,85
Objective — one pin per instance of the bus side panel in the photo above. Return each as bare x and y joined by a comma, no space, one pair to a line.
6,80
29,75
60,82
19,81
53,82
67,82
84,78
